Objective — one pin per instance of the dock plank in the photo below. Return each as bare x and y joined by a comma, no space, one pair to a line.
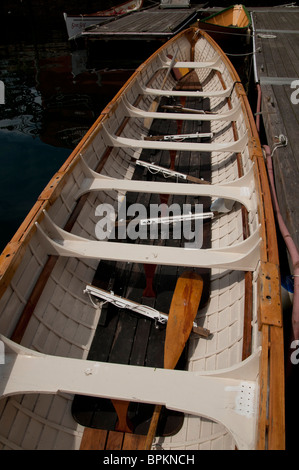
277,65
146,24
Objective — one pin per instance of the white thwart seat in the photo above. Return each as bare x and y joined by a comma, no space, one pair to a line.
241,189
243,256
225,93
227,396
214,63
113,140
231,115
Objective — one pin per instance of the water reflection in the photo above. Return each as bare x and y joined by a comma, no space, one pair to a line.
52,97
22,111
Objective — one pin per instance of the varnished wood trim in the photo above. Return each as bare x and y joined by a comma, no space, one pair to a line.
114,440
269,295
33,299
271,427
248,311
276,429
12,254
263,392
94,439
100,439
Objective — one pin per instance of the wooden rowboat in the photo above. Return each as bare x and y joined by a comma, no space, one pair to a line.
75,24
234,19
226,25
81,311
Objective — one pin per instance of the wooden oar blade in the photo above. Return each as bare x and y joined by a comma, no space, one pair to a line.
183,310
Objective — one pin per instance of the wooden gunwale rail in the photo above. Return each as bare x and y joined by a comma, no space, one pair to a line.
271,425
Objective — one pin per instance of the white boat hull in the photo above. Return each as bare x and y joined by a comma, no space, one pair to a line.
76,24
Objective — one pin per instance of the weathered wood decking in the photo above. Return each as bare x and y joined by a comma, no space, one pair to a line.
277,72
151,24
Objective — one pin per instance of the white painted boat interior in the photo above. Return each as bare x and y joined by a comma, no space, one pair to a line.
64,321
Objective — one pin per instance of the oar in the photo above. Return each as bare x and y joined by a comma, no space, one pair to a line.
154,106
183,310
182,109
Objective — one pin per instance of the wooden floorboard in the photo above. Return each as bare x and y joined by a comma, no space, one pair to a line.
133,442
114,440
93,439
98,439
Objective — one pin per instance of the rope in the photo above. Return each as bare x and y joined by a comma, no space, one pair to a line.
266,36
246,54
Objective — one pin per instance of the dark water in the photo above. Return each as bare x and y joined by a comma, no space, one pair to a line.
53,94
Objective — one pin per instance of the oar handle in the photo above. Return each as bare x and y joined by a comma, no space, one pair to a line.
193,179
153,427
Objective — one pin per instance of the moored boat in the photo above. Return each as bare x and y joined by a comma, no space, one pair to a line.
75,24
226,25
82,274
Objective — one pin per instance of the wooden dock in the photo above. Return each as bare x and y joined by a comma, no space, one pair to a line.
148,24
276,35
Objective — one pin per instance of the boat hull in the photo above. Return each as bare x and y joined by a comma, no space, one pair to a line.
75,24
227,25
48,319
